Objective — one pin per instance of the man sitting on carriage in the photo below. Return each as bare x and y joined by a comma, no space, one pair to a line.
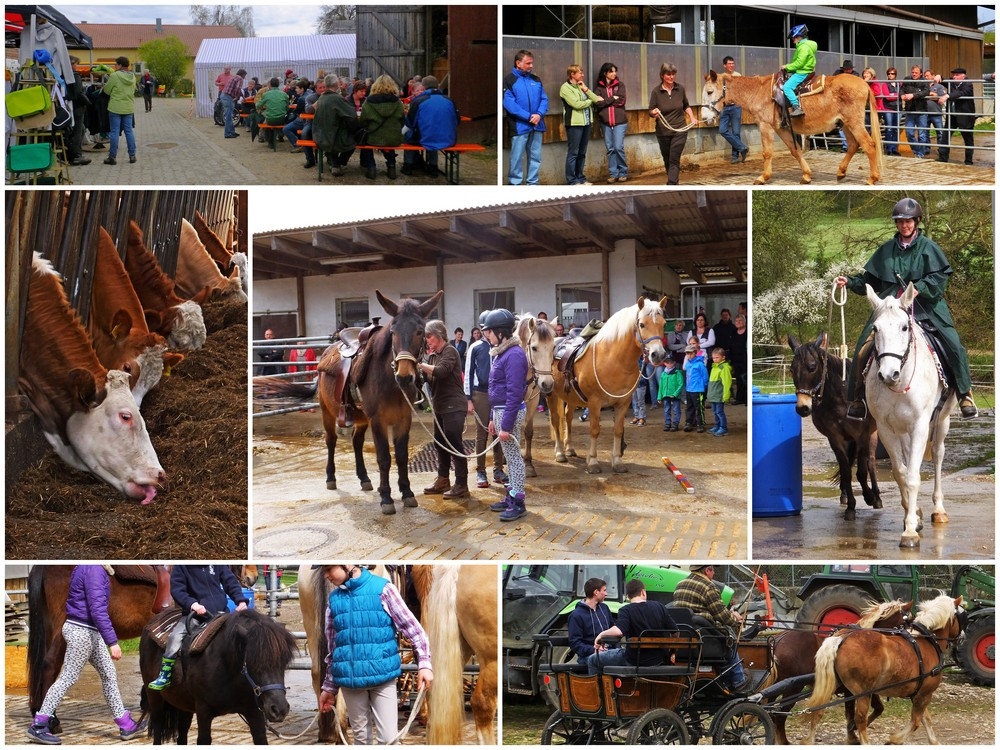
910,256
635,618
802,65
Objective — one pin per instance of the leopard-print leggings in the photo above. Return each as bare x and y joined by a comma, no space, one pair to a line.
83,645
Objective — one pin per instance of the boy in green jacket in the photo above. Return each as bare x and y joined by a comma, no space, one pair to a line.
720,388
803,63
670,392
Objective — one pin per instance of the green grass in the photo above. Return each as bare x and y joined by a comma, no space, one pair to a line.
130,646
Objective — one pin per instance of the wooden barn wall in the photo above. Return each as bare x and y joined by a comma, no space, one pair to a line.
392,39
472,58
947,52
63,227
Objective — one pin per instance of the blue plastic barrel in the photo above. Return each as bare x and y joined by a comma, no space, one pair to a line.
247,594
777,456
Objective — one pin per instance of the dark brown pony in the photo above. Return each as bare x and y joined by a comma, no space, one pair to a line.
822,394
899,664
137,593
385,376
841,102
793,653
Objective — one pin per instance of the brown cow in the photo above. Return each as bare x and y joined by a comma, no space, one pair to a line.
180,321
196,270
88,413
118,326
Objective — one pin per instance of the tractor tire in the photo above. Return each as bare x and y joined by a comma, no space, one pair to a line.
832,607
975,652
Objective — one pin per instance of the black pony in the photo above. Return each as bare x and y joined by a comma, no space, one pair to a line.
822,394
242,671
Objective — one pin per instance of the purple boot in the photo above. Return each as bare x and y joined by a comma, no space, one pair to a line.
39,731
128,727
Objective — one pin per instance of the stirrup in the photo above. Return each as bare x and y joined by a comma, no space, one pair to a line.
858,410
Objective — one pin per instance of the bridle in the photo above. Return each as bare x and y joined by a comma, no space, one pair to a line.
722,97
816,392
643,343
904,357
406,356
535,370
259,690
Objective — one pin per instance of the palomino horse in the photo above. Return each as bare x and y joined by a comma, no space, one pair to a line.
900,664
821,393
606,373
385,376
459,612
241,671
793,653
137,593
910,403
842,101
538,340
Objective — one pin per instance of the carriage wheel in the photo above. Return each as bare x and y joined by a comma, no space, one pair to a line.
743,724
565,730
661,726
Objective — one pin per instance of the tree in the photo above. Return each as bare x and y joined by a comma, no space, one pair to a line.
166,59
224,15
331,17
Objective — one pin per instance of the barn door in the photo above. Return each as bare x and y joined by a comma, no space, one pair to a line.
392,39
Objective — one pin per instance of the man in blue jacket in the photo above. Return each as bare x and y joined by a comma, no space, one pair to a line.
432,122
526,105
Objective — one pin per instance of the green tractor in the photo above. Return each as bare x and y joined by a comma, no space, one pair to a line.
538,598
975,651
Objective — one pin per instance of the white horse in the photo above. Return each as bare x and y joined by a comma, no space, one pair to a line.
910,403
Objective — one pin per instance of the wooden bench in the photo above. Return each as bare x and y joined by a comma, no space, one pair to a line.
271,140
451,155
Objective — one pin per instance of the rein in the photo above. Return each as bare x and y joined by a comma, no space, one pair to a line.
841,302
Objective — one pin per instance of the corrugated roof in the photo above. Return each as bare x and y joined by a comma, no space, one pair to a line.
131,35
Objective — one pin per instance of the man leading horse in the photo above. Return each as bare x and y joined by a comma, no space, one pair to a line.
910,256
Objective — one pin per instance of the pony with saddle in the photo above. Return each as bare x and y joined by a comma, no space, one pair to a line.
830,102
910,398
370,378
603,371
822,394
907,663
137,593
793,653
538,339
235,664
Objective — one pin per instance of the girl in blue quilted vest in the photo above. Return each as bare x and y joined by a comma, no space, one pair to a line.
362,618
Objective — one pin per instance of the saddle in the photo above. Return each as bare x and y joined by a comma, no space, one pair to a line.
155,575
568,350
810,86
352,342
161,626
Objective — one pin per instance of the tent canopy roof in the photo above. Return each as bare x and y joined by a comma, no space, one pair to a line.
247,51
17,17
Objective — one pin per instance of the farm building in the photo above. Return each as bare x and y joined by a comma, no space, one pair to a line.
695,38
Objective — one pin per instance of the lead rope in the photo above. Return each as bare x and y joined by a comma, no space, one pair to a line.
668,126
838,297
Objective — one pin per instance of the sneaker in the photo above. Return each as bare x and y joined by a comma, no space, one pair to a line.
701,428
40,733
502,505
721,433
688,427
481,480
713,430
500,476
131,160
796,112
516,509
110,160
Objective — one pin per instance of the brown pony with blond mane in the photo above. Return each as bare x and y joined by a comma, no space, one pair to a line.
841,103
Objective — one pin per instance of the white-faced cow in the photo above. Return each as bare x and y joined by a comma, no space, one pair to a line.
221,251
197,271
179,321
118,325
88,413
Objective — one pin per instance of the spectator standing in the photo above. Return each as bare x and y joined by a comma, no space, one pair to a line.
677,341
147,85
271,355
937,101
432,122
706,335
302,354
739,360
731,118
120,89
461,346
223,78
695,385
670,393
526,104
614,123
639,394
877,88
725,331
229,96
382,118
962,116
578,118
668,105
913,93
891,98
720,390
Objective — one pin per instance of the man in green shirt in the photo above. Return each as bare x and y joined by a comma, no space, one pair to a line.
911,256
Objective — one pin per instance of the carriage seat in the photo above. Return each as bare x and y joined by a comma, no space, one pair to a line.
551,642
717,643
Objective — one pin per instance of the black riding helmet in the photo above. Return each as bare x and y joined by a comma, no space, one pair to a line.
907,209
500,321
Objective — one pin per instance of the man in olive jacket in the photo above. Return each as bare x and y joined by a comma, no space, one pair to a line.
334,126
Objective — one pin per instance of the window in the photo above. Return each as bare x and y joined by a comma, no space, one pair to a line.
578,305
353,312
491,299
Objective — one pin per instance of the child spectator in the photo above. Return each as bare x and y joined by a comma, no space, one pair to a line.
697,382
720,385
671,388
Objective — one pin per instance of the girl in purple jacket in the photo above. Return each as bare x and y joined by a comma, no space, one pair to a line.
89,637
508,380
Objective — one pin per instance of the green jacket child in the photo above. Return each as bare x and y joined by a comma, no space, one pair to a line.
671,383
720,382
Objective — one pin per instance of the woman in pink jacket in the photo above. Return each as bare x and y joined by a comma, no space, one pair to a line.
612,113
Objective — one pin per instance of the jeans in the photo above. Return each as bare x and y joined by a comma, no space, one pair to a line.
671,412
291,131
530,145
118,123
307,136
227,112
936,121
917,134
577,139
789,87
719,416
614,142
368,156
891,132
730,122
613,657
639,400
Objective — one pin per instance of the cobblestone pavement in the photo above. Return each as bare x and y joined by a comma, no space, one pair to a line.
173,147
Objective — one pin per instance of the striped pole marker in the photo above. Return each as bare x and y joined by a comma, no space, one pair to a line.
678,476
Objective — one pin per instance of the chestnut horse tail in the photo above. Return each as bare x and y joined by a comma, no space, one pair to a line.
281,387
317,587
876,129
445,702
826,678
39,627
